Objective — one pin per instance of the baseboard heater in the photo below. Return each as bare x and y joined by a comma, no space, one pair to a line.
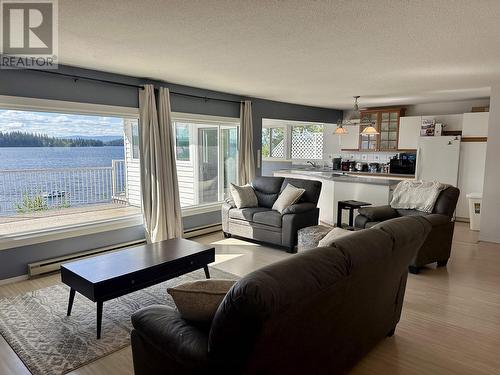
199,231
54,264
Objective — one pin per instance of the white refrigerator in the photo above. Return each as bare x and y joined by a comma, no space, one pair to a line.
438,158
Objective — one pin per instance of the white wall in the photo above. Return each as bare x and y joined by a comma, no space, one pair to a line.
490,224
440,108
330,142
445,108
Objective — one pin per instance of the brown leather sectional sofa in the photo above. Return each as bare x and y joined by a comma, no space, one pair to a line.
317,312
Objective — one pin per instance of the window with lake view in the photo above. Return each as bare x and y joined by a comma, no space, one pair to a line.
59,169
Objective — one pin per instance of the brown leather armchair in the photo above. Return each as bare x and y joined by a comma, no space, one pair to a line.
437,246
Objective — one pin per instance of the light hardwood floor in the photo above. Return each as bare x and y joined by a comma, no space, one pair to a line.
450,322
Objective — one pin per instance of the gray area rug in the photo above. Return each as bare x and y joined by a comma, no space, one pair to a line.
48,342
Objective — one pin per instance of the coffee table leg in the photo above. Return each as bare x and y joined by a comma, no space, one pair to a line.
207,272
71,299
99,319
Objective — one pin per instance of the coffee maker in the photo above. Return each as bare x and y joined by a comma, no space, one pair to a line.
337,164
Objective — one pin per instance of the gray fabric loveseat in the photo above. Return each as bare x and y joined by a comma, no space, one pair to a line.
264,224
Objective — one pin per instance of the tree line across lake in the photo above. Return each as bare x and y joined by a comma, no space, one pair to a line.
21,139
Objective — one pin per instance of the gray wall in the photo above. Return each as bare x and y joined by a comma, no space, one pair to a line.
46,86
491,192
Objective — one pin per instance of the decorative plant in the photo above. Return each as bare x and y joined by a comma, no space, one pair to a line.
32,204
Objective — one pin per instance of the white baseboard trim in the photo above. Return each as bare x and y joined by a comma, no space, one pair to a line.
14,279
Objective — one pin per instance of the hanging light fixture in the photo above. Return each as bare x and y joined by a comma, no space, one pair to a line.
369,128
340,130
353,116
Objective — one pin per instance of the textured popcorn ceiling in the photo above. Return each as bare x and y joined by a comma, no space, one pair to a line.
299,51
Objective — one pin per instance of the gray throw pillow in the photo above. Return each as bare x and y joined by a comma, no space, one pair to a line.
334,234
287,197
199,300
243,196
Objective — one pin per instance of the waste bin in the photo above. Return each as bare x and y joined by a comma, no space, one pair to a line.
475,210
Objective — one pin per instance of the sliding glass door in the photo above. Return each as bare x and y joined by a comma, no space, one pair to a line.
208,164
207,160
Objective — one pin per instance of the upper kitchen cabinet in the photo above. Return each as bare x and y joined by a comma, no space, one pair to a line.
475,124
409,132
386,121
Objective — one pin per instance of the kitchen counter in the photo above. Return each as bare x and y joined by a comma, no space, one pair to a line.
397,176
338,177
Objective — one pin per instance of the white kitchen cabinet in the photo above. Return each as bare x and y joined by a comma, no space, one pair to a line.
409,132
450,122
475,124
351,139
471,174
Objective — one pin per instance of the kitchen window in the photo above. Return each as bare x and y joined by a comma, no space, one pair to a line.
307,142
289,140
273,142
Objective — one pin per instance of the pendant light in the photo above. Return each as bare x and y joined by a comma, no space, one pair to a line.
369,129
340,130
353,116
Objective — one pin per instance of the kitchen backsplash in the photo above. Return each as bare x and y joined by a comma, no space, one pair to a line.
371,157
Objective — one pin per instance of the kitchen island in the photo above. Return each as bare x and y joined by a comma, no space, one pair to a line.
337,186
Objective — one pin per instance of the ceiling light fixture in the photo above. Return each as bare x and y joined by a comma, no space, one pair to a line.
369,128
340,130
352,118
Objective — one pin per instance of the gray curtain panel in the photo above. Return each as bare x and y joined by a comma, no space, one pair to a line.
246,163
160,191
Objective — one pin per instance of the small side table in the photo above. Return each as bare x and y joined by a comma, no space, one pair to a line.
350,205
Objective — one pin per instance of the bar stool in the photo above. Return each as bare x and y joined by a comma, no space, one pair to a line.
350,205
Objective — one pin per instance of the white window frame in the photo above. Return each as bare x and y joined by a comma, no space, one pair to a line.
287,125
62,232
220,122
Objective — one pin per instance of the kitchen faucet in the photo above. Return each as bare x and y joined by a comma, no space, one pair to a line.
312,163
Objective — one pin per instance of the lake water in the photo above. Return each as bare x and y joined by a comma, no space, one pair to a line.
71,176
59,157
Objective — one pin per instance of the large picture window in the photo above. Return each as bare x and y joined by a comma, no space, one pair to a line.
207,158
63,169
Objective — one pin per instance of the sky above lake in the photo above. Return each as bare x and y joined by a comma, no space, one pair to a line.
59,124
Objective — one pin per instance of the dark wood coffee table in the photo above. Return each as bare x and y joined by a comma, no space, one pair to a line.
115,274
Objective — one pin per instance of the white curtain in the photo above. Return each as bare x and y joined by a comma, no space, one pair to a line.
160,191
246,156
